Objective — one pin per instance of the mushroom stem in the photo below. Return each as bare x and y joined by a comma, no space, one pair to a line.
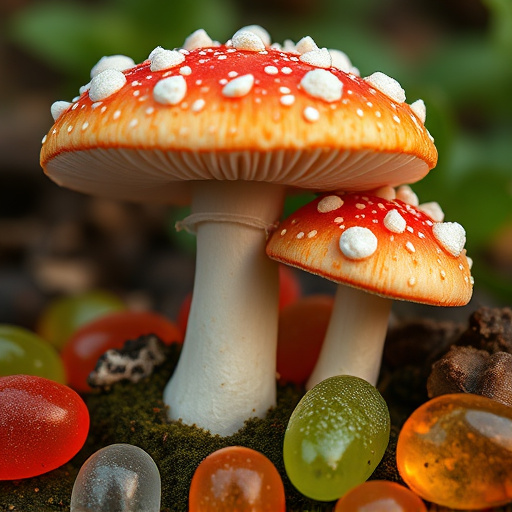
355,336
226,371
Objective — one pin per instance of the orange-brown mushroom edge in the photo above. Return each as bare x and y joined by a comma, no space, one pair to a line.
389,248
240,110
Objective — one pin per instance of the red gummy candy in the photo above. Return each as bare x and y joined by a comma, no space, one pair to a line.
43,424
81,352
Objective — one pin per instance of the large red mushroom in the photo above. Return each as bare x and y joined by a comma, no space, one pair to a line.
229,128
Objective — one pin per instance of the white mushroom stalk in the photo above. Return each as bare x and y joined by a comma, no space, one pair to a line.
354,340
226,371
378,249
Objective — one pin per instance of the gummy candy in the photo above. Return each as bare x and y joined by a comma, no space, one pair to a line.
236,478
63,316
336,436
380,496
119,477
302,328
43,424
23,352
289,286
83,349
456,450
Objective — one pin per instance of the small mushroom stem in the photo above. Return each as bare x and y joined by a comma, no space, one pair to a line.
355,336
226,371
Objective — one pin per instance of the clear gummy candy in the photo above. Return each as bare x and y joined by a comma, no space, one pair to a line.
117,478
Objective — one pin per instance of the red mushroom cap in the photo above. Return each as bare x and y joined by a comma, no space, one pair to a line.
389,248
243,110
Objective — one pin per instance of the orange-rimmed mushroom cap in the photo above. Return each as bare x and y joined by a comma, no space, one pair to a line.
243,110
386,247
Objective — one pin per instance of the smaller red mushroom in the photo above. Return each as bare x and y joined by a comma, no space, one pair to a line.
381,249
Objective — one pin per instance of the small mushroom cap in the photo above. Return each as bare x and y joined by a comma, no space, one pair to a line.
386,247
226,112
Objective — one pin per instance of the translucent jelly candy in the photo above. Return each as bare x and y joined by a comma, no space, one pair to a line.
302,328
63,316
22,351
83,349
236,478
119,477
289,286
380,496
336,436
456,451
43,424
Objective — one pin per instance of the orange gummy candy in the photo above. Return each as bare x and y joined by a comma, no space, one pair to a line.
238,479
456,451
380,496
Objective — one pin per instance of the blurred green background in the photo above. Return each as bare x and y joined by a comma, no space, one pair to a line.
454,54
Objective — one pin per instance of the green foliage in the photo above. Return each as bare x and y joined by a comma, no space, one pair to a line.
502,22
71,36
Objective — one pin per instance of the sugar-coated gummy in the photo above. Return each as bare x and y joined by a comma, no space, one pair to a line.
43,424
336,436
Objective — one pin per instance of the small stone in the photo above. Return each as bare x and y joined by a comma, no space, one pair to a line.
468,370
133,362
489,329
457,372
